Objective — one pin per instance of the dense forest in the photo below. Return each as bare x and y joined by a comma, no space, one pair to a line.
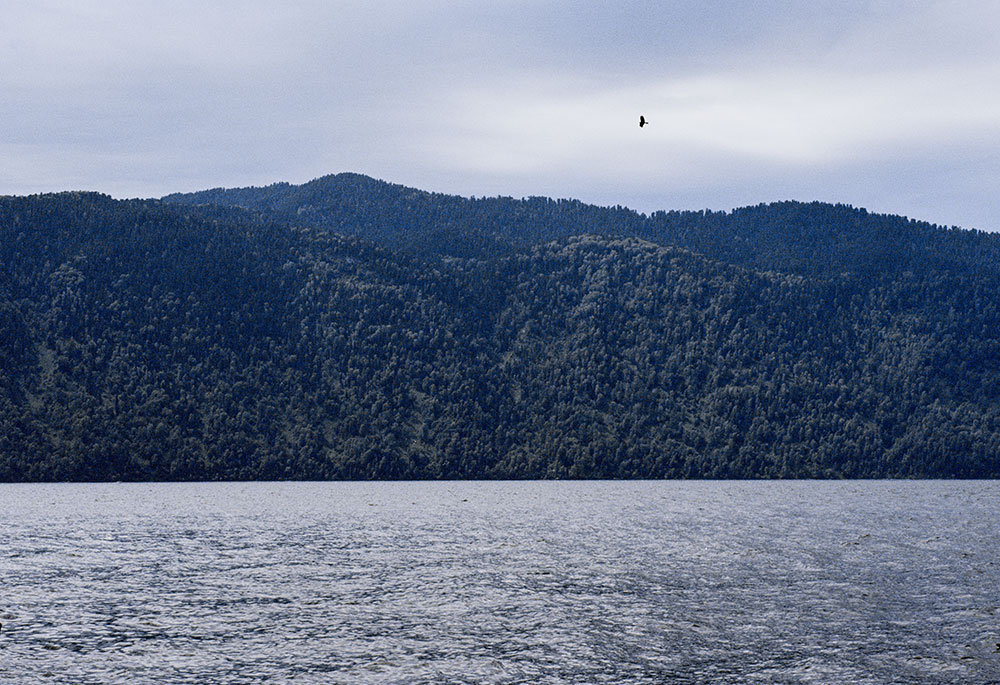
351,328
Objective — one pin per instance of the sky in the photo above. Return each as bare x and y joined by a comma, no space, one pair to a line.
891,105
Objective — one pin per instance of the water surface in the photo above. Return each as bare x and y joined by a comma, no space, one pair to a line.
513,582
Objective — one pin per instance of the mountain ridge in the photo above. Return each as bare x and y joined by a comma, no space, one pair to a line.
399,335
332,201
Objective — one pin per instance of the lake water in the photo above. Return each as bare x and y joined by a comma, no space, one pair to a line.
514,582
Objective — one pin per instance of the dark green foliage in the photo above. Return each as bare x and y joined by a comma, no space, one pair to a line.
349,328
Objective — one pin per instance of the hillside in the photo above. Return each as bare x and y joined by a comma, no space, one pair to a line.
811,239
350,328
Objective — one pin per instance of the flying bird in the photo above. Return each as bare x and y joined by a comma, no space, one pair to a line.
642,121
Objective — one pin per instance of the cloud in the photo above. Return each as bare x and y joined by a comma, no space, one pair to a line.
749,101
792,117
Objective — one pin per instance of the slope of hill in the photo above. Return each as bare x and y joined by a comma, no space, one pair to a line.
402,218
354,329
811,239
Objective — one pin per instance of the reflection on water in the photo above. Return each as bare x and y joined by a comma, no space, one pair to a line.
527,582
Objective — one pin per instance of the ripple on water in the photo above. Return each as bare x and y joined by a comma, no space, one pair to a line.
639,582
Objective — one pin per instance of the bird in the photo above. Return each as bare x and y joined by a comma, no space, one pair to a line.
642,121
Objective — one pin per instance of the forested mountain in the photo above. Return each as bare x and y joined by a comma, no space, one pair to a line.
813,239
350,328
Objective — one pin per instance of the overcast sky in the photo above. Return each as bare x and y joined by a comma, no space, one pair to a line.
892,105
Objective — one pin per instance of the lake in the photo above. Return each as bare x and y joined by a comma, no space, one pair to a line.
501,582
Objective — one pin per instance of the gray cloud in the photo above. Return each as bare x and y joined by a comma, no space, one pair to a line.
886,105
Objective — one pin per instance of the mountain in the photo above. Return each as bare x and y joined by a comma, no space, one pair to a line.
351,328
811,239
401,218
